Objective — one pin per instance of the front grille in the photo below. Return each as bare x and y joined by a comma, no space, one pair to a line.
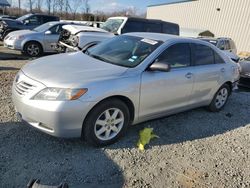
23,88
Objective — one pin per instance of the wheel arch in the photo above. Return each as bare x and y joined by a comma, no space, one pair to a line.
124,99
30,41
230,84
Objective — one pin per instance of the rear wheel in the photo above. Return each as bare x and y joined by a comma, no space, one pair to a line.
106,123
220,98
33,49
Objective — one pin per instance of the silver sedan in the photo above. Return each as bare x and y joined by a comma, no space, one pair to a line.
37,41
126,80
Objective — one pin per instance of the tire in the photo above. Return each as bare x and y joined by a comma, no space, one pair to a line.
5,34
33,49
220,98
100,128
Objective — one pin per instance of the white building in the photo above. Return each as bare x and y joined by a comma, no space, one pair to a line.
224,18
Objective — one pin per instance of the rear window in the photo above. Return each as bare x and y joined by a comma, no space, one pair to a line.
133,26
152,27
49,19
170,29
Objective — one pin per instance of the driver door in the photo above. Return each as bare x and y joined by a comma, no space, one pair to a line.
52,37
164,92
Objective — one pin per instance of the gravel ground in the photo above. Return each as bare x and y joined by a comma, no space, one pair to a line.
195,149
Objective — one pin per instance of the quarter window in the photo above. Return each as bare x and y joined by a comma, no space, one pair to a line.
203,55
218,59
177,55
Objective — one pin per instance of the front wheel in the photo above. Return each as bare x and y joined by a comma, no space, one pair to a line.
106,123
33,49
220,98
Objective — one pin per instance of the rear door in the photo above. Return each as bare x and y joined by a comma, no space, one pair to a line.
209,71
166,91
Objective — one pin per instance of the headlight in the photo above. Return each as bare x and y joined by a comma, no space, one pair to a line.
16,37
59,94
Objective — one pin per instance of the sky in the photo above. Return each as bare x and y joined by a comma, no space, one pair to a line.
111,5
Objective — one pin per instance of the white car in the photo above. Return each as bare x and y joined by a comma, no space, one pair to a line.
75,37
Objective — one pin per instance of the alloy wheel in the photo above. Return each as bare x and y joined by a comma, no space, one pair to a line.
33,50
221,98
109,124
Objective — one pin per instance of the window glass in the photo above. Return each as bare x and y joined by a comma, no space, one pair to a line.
170,29
204,55
152,27
112,25
232,45
34,20
217,58
227,45
177,55
132,26
127,51
56,29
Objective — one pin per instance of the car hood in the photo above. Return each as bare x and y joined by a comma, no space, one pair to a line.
74,29
70,70
22,32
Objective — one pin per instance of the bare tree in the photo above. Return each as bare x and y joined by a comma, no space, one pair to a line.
75,5
48,4
39,5
31,2
86,6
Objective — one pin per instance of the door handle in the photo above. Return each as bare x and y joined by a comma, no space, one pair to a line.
222,69
189,75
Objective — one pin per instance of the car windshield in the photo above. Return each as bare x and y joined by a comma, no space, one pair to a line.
112,25
126,51
23,17
44,27
211,41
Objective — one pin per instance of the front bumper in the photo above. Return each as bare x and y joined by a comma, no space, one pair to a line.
13,44
57,118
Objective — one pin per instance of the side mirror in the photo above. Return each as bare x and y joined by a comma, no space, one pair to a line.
48,32
26,22
160,66
222,48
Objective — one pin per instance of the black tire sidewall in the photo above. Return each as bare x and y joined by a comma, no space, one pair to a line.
212,106
30,43
89,124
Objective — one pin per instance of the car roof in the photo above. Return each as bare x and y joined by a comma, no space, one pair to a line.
165,37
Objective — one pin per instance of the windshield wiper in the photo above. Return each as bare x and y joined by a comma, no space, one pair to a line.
99,58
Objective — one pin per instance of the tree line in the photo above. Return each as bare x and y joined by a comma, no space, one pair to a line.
67,9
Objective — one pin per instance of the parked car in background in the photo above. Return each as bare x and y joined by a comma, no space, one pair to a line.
225,44
7,16
245,73
99,93
29,21
76,38
37,41
121,25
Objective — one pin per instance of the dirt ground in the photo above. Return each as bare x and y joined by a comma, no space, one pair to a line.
195,149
